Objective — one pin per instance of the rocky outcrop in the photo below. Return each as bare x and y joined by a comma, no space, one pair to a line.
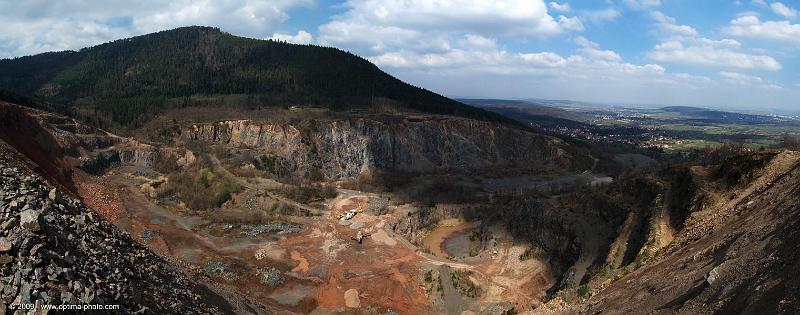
132,152
347,148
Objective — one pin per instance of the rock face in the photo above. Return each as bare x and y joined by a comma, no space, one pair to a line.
346,148
132,152
54,250
336,149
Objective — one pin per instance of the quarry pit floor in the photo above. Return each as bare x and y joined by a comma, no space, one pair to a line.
324,270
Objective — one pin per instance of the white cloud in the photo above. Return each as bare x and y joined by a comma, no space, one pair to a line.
642,4
377,27
752,27
302,37
584,42
711,53
682,45
601,16
37,26
760,3
560,7
667,25
18,38
500,62
782,9
542,59
737,78
477,42
591,49
571,23
456,37
488,18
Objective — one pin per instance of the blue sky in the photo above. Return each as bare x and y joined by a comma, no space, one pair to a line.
715,53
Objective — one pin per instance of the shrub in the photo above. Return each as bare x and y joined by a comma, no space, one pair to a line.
429,276
165,164
222,197
512,311
305,192
272,164
201,187
583,290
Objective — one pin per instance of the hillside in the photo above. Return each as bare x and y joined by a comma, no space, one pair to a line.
735,254
126,82
58,253
527,108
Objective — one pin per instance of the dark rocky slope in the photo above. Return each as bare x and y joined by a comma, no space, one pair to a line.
737,253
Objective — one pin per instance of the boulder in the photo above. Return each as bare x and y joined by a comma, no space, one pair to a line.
713,276
351,299
29,219
5,244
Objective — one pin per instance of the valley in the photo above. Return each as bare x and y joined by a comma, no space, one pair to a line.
453,242
301,256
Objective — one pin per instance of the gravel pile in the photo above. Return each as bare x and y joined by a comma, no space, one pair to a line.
254,230
271,276
54,250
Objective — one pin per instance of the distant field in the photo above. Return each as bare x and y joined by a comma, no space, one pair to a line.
672,129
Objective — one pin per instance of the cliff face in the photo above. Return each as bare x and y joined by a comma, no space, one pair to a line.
52,141
336,149
346,148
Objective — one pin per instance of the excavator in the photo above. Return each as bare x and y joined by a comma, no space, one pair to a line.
359,237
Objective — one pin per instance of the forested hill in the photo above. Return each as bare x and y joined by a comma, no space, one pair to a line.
129,80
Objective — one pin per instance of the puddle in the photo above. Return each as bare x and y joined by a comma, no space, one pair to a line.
291,296
458,244
447,228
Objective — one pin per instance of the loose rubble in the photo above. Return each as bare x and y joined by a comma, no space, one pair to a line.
220,269
148,235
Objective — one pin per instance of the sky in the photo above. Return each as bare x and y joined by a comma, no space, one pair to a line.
739,55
